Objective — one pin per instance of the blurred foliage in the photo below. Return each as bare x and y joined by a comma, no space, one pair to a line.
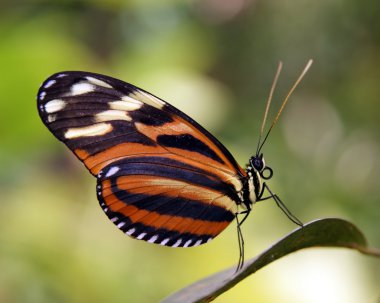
215,59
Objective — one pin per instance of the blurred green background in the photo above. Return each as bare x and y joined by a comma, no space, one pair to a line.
214,59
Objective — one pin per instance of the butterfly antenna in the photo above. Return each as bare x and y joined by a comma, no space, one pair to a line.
286,100
268,104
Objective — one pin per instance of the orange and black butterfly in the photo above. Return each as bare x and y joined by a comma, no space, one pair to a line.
161,177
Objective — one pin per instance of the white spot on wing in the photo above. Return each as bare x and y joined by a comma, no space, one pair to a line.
111,115
114,219
198,243
153,239
81,88
113,170
146,98
121,224
131,231
61,75
49,83
51,118
126,104
88,131
163,242
98,82
158,103
176,244
140,236
54,106
42,96
188,242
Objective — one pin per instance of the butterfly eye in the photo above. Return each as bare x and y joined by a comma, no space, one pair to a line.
257,163
267,173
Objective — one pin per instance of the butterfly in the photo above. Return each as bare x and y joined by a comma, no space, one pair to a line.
161,177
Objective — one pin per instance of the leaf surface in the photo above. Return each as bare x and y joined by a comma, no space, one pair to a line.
329,232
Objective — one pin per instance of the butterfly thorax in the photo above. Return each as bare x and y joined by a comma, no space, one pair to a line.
253,189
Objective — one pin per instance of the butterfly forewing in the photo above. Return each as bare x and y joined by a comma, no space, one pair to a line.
162,178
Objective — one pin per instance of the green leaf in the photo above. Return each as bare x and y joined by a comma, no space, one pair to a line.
319,233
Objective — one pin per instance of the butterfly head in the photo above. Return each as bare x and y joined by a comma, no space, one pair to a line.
259,167
257,171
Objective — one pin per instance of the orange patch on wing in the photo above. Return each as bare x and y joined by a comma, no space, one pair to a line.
153,185
81,154
180,224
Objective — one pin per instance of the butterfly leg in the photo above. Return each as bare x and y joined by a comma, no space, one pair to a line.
240,236
241,245
280,204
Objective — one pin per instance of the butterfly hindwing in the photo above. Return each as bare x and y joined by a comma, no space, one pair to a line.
161,177
153,200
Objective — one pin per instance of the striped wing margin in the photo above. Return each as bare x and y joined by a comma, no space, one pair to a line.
161,176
